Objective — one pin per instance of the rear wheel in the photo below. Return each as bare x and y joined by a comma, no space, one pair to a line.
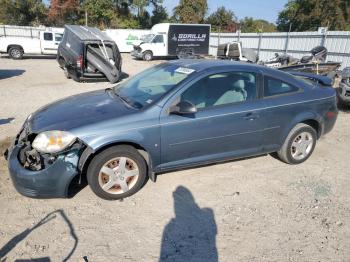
147,56
66,73
299,144
117,172
16,52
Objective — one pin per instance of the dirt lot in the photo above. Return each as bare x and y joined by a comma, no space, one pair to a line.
257,209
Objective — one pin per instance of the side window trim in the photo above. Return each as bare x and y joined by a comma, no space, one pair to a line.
264,76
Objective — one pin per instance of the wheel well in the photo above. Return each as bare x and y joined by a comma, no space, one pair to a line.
139,148
10,46
148,51
315,125
74,186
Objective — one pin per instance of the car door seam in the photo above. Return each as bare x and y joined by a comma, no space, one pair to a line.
216,137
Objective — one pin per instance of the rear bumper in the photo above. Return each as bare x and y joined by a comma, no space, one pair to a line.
51,182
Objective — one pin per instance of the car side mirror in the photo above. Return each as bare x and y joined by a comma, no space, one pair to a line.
183,108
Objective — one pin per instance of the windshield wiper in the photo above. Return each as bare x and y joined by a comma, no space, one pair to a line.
122,98
127,101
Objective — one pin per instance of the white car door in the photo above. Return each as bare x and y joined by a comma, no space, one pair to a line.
159,48
49,45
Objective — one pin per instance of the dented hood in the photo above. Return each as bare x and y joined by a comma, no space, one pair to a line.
78,111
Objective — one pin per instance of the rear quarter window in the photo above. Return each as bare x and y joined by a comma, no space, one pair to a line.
274,87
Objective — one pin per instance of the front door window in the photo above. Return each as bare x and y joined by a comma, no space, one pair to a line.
221,89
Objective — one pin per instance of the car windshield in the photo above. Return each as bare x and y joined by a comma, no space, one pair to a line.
147,38
150,85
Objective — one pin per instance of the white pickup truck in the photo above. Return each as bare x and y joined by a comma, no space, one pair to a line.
17,41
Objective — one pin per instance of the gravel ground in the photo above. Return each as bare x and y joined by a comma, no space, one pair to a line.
257,209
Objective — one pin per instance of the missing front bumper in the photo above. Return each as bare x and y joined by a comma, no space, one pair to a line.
51,182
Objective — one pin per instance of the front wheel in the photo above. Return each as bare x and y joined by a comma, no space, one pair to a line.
299,144
117,173
66,72
147,56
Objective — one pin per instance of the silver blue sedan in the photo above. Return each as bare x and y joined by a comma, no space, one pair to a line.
175,115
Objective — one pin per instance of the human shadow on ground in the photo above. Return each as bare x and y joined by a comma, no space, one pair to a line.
8,73
191,234
20,237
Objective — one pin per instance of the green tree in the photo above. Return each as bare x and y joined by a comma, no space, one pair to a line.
144,19
159,15
222,20
100,12
140,6
191,11
308,15
130,22
19,12
250,25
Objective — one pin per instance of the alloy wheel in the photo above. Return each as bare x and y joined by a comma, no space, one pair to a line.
118,175
15,53
302,146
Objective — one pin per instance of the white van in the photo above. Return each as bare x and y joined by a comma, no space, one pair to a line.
174,40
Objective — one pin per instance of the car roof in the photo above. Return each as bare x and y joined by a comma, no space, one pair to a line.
204,64
86,33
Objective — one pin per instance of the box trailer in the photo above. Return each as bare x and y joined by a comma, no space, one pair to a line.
174,40
20,40
127,38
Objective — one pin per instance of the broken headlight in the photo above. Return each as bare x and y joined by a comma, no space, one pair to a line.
53,141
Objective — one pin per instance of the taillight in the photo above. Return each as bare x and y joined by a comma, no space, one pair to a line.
80,62
330,114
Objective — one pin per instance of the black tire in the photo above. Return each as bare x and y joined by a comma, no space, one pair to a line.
16,52
285,153
93,171
66,72
147,56
61,62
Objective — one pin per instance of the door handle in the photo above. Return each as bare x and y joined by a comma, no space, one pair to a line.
251,116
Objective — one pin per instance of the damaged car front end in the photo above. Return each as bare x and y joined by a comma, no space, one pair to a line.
44,165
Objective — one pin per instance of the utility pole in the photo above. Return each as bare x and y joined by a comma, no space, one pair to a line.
86,17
